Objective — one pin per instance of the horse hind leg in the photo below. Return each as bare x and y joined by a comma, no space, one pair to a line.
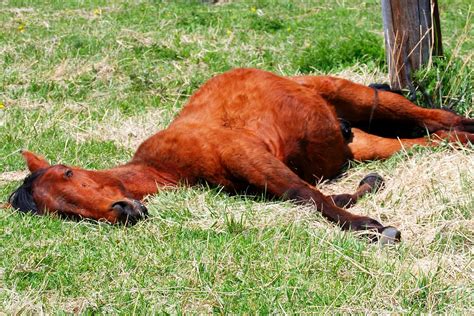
365,146
360,104
371,183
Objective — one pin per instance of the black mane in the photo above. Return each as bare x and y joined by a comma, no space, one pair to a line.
22,198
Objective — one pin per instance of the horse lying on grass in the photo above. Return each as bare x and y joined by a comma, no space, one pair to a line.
251,129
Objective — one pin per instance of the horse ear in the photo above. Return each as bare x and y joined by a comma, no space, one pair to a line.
34,162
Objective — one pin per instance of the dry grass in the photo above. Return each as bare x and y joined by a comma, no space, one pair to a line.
427,195
70,69
424,189
10,176
363,75
128,132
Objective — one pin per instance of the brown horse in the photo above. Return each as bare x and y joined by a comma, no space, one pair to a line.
249,128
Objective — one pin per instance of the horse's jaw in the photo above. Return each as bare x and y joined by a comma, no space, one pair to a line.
141,179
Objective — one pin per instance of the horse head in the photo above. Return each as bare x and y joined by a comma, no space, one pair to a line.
74,192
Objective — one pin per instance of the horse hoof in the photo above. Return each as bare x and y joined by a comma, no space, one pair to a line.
374,180
389,236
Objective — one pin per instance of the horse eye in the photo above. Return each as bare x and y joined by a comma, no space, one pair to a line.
68,173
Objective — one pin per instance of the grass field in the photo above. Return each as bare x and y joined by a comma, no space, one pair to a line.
84,82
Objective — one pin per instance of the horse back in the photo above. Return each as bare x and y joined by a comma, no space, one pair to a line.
256,108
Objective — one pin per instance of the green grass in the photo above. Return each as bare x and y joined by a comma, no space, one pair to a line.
84,82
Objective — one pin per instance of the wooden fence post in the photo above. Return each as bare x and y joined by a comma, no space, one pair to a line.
412,36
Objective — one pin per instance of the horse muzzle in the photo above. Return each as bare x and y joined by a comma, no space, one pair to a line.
129,211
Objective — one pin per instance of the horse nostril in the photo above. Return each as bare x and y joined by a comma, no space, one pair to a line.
122,206
144,211
130,211
142,208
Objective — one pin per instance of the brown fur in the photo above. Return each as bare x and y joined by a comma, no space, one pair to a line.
251,128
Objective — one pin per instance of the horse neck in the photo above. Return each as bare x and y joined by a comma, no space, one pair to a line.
141,179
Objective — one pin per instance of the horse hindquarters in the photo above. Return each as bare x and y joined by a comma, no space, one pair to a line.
308,136
362,105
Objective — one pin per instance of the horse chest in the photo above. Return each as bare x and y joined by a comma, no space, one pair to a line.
321,152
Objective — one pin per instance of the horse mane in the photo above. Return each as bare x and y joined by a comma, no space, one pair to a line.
22,198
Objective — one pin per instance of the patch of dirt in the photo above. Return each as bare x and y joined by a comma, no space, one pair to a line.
17,10
128,132
10,176
69,69
361,74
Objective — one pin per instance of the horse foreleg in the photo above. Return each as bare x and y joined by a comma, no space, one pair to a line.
262,170
369,184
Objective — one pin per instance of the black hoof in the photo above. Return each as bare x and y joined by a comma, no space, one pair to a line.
389,236
374,180
374,231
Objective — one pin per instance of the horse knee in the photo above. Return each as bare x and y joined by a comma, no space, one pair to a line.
299,195
343,200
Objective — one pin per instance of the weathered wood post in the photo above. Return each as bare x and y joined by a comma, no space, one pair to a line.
412,36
